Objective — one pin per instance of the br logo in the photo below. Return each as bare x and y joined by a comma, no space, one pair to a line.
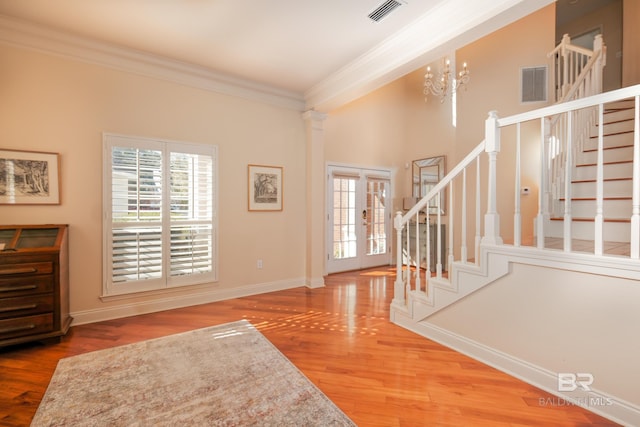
570,382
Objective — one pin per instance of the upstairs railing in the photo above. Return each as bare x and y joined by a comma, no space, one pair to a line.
527,131
577,70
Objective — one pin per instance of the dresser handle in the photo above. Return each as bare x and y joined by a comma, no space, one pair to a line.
17,328
18,307
24,270
17,288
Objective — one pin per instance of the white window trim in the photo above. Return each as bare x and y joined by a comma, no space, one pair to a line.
166,281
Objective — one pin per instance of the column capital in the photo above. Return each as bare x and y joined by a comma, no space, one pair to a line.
312,115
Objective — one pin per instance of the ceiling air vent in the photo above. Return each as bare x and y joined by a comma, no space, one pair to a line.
384,10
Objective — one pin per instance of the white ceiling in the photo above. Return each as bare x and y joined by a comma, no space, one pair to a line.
322,52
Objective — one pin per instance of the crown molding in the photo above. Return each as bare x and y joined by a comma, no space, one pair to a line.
29,36
446,27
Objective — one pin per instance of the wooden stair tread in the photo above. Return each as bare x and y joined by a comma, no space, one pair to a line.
624,132
579,181
616,121
617,220
591,150
593,198
618,162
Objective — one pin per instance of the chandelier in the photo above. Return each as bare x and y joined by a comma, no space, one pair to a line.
445,83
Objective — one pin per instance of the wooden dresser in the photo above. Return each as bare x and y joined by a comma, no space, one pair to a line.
34,283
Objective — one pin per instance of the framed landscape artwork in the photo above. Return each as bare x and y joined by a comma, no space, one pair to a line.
29,177
265,188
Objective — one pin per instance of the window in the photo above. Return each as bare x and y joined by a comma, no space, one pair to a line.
160,214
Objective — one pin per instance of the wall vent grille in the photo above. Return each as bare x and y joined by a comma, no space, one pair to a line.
384,10
534,84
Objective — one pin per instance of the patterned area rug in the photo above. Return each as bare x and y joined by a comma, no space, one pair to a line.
226,375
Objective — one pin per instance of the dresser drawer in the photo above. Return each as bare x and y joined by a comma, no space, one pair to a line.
25,269
25,306
19,286
28,325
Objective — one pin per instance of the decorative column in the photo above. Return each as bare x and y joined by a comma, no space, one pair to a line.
315,259
492,148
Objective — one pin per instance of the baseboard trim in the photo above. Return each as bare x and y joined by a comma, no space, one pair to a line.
178,301
601,403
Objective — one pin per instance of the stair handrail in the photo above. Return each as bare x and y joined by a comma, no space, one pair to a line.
440,186
402,282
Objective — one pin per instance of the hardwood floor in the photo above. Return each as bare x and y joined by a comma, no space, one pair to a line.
340,337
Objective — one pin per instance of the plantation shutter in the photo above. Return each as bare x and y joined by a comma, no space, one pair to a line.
191,217
160,206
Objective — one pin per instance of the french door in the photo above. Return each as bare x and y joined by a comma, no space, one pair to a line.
359,218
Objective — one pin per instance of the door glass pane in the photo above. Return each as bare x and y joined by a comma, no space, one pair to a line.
344,217
376,230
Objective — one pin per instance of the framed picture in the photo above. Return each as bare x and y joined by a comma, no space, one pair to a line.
29,178
265,188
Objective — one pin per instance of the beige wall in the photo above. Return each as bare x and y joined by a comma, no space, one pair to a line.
58,105
394,125
495,62
630,46
560,320
370,132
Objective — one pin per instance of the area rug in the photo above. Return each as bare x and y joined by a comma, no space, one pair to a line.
226,375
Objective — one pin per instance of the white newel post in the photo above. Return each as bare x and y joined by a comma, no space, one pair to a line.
492,148
398,288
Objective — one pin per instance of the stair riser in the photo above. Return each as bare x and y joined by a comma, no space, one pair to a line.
613,231
614,127
619,105
611,188
616,116
622,170
612,209
610,155
610,141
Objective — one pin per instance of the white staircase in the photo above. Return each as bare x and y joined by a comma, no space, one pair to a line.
617,169
482,261
588,189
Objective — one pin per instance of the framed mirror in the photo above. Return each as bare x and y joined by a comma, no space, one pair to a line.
426,173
